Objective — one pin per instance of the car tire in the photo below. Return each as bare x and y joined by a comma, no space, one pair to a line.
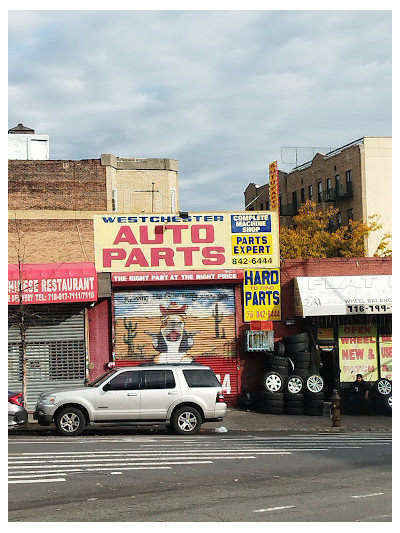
265,396
279,349
70,422
315,383
298,410
313,411
296,347
297,337
272,410
186,420
383,387
273,382
388,403
313,396
301,357
296,398
294,384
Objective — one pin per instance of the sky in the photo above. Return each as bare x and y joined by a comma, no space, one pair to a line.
225,92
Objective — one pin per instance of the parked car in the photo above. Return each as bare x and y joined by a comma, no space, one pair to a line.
17,414
180,396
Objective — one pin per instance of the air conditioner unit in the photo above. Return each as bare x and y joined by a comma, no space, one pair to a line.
259,341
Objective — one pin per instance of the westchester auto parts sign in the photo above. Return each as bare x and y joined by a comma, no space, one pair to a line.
202,241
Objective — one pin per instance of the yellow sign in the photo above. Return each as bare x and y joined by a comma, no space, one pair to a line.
262,295
274,186
202,241
325,334
358,352
385,356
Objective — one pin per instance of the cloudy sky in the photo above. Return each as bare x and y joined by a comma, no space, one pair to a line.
225,92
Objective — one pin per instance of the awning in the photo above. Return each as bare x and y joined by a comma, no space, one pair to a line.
343,295
44,283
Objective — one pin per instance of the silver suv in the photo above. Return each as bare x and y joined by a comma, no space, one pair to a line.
179,396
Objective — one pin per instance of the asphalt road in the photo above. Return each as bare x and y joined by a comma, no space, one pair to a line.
231,477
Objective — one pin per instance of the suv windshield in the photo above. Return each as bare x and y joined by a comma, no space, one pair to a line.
102,378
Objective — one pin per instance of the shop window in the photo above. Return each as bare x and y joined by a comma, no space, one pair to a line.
310,193
319,191
349,181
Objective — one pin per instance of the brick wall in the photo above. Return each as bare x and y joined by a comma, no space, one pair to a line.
57,185
50,241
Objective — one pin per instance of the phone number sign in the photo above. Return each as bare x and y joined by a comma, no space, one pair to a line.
262,295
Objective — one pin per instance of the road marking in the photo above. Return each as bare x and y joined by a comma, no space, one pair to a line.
274,509
368,495
53,480
27,476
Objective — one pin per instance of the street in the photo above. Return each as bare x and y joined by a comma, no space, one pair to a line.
229,477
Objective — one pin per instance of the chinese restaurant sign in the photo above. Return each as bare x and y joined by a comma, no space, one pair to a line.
52,283
358,352
262,295
202,241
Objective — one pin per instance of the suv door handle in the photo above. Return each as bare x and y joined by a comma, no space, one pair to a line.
173,393
132,393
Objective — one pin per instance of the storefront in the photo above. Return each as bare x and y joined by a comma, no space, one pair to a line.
350,320
53,316
177,286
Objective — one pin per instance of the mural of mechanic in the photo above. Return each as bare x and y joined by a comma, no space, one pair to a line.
173,341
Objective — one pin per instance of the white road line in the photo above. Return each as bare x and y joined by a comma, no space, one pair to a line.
368,495
38,475
274,509
36,480
116,453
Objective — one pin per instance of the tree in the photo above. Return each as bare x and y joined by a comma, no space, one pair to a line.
314,234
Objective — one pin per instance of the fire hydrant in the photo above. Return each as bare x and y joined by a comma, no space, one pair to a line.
335,402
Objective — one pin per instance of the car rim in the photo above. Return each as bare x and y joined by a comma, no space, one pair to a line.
273,383
69,422
384,387
390,402
187,421
294,385
315,384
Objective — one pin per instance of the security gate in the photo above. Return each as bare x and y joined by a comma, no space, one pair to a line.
56,352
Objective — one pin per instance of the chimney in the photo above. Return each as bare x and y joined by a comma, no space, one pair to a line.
22,129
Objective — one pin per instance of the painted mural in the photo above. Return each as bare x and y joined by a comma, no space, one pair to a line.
174,326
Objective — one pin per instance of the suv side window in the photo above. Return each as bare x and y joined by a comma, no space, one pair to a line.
158,379
201,378
125,381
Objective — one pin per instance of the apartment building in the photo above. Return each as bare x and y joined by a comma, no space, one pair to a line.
355,178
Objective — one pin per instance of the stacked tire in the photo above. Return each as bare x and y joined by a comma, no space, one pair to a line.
314,395
293,396
270,399
300,383
296,350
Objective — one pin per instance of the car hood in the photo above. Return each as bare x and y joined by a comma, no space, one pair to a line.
59,391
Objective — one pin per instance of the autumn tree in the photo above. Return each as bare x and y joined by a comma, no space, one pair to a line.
314,234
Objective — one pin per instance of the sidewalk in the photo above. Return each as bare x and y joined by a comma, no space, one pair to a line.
251,421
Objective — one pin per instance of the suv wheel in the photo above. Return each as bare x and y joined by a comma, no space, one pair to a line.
186,421
70,422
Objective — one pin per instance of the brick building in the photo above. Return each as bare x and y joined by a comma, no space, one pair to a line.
355,178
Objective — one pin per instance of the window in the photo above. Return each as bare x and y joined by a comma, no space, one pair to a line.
261,206
294,199
303,195
339,218
328,184
337,181
158,379
125,381
201,378
319,191
310,193
350,214
114,203
349,181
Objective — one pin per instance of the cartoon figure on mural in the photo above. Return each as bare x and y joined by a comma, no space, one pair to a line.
172,341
